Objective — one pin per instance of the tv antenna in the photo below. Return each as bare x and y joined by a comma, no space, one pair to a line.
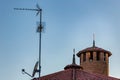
39,30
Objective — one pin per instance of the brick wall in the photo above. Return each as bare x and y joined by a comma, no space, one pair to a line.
98,63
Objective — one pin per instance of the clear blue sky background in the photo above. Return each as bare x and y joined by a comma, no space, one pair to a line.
68,24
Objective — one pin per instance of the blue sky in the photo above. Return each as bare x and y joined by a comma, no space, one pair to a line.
68,24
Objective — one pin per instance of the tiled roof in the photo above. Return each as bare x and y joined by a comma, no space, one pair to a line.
93,49
75,74
71,66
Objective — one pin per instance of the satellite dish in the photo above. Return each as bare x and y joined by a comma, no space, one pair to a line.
35,69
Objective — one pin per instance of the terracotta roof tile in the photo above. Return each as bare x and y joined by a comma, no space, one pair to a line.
75,74
93,49
73,66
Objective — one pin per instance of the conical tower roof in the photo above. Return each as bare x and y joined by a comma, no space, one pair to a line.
94,49
73,65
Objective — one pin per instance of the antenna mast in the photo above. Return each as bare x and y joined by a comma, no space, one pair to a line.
39,29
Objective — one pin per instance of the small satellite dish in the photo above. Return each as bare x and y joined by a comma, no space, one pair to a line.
35,69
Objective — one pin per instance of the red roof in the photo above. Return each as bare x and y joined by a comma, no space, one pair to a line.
75,74
73,66
93,49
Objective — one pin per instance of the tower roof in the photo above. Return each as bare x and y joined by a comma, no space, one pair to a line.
96,49
73,65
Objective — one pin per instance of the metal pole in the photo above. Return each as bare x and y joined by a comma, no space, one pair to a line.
39,54
40,28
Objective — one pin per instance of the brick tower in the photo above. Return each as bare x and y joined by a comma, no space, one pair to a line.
95,60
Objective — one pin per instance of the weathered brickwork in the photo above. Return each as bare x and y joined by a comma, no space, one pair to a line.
95,60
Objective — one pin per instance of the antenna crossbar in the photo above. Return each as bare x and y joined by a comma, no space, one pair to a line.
26,9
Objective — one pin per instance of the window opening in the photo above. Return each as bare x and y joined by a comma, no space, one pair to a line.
84,56
98,56
104,56
91,56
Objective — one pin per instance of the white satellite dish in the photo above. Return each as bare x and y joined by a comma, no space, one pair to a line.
35,69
